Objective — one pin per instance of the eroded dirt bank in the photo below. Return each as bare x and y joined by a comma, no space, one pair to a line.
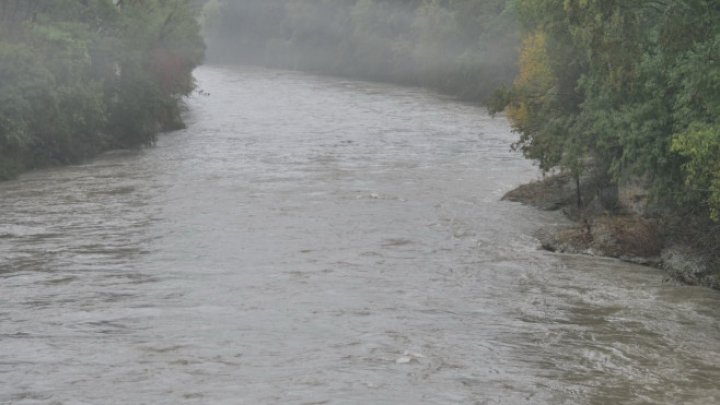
616,222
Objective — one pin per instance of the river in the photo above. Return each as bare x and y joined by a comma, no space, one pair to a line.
312,240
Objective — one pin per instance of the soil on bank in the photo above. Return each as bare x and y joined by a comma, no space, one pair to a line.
614,222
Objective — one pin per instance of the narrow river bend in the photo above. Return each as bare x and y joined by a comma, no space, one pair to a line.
320,241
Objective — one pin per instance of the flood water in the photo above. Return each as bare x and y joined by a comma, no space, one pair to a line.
313,240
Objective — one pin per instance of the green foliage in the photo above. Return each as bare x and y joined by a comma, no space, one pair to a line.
630,88
81,76
700,145
463,47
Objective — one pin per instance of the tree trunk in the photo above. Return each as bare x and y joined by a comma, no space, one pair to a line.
578,191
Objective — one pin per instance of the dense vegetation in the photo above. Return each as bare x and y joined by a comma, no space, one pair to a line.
81,76
630,88
463,47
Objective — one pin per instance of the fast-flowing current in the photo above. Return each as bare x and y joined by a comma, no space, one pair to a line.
310,240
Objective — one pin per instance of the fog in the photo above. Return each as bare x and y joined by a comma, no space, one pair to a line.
245,232
465,48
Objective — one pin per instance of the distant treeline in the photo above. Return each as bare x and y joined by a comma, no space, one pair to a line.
627,88
81,76
466,48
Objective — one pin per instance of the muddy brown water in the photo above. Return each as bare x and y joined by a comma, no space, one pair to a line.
320,241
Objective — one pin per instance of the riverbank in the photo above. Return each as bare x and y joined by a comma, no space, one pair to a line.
615,223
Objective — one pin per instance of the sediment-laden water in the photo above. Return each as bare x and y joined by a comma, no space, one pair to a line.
319,241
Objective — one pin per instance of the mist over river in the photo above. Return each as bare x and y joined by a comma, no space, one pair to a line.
310,240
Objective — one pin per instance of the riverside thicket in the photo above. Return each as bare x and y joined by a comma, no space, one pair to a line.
80,77
629,88
629,91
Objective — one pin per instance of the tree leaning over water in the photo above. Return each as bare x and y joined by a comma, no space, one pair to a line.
81,76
